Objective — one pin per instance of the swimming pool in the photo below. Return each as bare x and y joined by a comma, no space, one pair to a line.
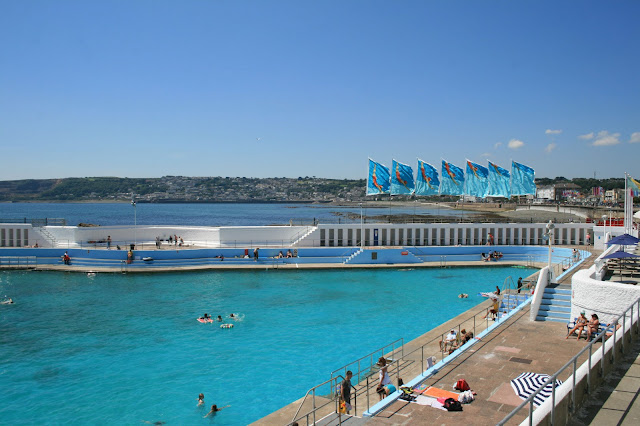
127,348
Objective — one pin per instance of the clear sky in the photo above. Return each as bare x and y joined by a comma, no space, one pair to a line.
312,88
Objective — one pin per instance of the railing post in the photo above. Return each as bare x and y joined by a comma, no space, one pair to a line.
589,371
613,348
553,399
313,402
367,388
573,389
422,358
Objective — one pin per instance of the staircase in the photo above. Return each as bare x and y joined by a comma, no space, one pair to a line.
354,254
556,303
510,301
297,240
47,236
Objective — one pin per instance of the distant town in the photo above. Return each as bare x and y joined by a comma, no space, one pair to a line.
306,189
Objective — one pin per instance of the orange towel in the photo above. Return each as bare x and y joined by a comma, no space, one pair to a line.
439,393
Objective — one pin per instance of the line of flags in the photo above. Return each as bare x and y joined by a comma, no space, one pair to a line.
478,181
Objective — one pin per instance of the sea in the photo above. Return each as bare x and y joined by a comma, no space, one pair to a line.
211,214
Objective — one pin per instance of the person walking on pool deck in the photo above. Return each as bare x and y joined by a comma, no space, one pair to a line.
519,284
345,390
255,253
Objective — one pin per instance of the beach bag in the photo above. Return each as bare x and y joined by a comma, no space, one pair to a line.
462,385
452,405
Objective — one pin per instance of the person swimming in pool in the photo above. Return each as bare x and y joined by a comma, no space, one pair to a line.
219,318
215,409
200,399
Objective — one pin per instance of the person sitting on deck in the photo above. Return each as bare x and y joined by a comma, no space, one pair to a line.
581,323
593,326
384,384
289,253
449,340
493,310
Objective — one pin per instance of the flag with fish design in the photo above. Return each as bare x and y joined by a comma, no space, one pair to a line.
476,181
522,179
378,179
499,182
401,179
427,182
634,186
452,179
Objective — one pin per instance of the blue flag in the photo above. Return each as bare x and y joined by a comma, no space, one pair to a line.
452,181
427,182
401,179
378,180
522,179
499,182
476,182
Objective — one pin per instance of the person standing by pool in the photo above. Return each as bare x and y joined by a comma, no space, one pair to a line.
108,242
255,254
345,390
519,284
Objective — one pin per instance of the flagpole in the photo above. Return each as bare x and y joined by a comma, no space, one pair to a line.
626,205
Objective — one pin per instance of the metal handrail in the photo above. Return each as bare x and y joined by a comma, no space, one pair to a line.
18,261
313,392
573,361
383,350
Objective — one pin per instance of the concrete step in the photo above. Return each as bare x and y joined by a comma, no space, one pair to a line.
554,308
556,296
550,302
554,319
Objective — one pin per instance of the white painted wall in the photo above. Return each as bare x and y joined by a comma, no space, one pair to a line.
607,299
71,236
12,230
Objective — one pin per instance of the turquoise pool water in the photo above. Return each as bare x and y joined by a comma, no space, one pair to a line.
122,349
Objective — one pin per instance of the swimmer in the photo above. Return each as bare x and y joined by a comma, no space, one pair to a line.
231,316
219,318
215,409
200,399
9,301
463,295
206,316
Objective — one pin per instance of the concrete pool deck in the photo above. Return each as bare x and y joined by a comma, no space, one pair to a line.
516,346
261,265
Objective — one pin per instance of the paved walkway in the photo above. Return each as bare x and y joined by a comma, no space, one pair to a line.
517,346
617,400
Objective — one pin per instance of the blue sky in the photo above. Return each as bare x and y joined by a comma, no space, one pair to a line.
313,88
